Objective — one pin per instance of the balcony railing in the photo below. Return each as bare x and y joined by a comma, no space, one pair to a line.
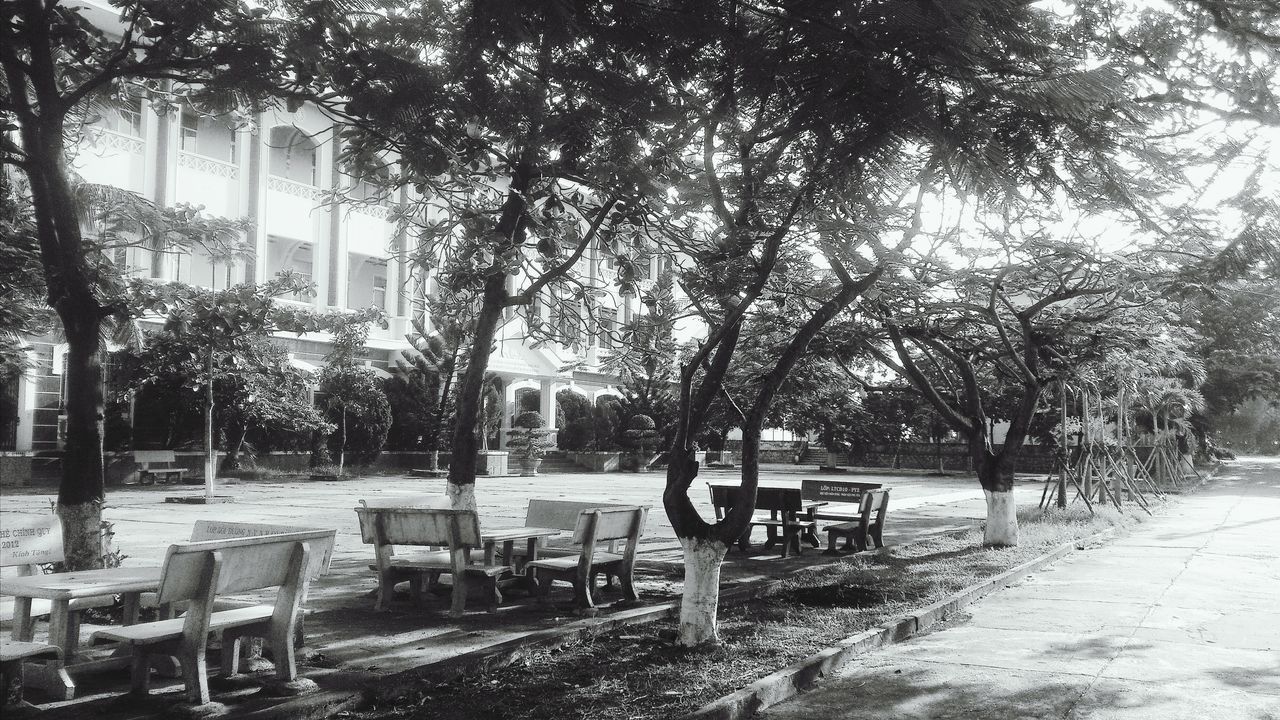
205,164
292,187
105,139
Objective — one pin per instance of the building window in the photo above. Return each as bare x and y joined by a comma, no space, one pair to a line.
285,254
207,136
608,326
380,289
293,156
366,282
566,321
125,118
190,131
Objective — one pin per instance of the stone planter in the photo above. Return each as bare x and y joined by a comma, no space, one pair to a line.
529,466
491,462
598,461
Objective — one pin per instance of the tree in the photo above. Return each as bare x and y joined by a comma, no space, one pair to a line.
226,325
528,137
256,389
823,126
354,401
59,70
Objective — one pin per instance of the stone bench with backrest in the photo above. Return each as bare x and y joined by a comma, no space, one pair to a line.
147,474
867,530
563,515
457,531
197,573
843,497
204,530
14,655
593,529
782,504
26,543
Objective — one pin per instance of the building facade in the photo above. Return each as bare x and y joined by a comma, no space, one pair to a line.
280,170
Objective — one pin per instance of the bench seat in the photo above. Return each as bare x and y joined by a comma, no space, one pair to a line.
41,607
164,630
566,562
13,655
13,650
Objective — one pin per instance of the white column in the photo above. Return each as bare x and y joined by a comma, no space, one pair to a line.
547,407
27,384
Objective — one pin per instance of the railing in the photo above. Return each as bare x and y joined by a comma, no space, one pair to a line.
380,212
292,187
105,139
208,165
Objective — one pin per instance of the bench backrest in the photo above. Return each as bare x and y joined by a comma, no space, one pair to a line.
604,524
203,570
419,526
321,549
874,502
411,501
27,540
562,514
156,456
782,499
835,491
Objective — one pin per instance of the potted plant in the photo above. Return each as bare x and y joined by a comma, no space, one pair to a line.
528,441
641,436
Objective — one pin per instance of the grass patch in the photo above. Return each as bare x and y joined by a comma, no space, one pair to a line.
632,674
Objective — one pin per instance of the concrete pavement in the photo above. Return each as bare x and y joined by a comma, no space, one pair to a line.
348,642
1180,619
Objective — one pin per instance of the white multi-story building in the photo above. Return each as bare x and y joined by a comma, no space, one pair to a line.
277,171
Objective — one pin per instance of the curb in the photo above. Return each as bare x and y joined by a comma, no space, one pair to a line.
790,681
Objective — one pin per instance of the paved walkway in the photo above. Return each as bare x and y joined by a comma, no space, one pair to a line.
344,632
1180,619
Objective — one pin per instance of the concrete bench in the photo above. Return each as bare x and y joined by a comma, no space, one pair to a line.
784,506
148,474
198,573
843,497
13,656
26,543
593,528
458,531
867,530
564,515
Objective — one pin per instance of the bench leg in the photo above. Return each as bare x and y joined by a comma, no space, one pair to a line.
415,587
582,596
230,655
832,537
875,531
459,605
24,626
140,671
627,580
543,579
493,593
860,539
195,676
282,653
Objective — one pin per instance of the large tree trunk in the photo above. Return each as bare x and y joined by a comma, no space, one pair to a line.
700,599
996,476
462,464
82,489
704,547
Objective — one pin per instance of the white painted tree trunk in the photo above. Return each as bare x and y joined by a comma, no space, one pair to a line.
701,600
1002,519
461,497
